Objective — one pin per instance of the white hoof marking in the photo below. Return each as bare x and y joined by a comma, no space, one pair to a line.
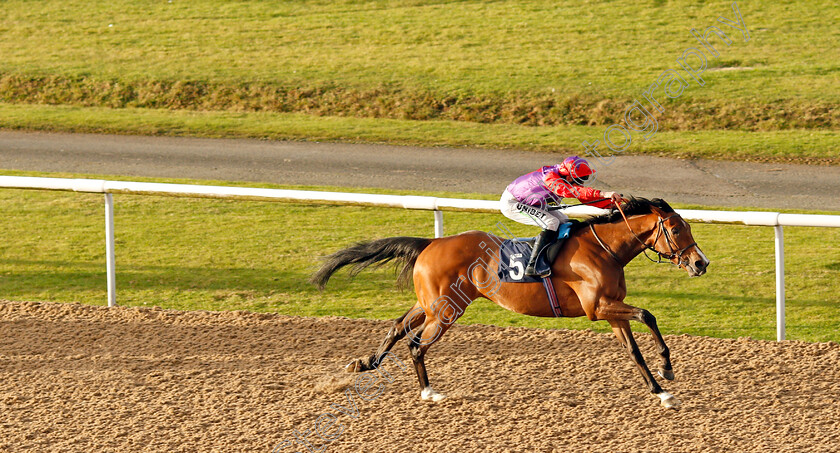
428,394
668,400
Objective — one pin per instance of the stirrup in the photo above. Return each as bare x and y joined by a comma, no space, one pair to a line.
531,271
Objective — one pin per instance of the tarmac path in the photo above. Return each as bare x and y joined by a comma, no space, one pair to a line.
702,182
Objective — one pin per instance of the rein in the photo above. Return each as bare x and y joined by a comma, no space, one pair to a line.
561,207
604,246
661,230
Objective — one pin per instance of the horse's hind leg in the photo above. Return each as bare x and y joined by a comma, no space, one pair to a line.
402,325
420,343
622,331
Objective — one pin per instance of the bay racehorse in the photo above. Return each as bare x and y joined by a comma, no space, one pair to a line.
587,275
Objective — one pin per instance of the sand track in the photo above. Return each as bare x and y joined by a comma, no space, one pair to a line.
79,378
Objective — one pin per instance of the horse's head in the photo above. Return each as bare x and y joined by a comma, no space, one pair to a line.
673,240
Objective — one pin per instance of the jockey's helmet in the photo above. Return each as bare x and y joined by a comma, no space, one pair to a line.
577,168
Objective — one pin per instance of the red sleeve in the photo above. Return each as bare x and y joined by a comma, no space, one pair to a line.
555,183
602,204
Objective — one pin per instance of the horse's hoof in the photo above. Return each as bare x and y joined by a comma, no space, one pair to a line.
666,374
668,400
354,367
430,395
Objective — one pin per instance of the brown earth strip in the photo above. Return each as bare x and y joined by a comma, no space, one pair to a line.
526,108
80,378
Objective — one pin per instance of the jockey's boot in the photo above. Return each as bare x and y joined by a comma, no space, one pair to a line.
545,238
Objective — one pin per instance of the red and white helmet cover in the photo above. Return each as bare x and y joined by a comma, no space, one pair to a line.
576,167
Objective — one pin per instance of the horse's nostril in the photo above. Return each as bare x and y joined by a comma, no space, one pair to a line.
699,264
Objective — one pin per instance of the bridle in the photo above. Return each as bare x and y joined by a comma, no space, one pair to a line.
674,252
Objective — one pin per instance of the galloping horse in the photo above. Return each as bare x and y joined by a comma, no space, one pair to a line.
587,275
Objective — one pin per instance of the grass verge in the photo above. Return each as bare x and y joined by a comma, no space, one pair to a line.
225,255
802,146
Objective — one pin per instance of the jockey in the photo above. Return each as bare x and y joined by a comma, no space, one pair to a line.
525,200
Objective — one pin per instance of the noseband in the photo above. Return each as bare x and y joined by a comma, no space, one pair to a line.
673,252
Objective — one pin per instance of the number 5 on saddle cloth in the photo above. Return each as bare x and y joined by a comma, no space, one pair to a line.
514,254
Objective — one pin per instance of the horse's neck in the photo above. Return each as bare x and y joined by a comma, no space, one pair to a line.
623,242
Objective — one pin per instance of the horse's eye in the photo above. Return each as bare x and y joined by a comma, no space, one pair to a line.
675,231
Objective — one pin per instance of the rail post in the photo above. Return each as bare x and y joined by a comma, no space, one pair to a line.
438,224
109,250
780,283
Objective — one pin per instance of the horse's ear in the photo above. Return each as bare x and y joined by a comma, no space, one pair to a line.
657,211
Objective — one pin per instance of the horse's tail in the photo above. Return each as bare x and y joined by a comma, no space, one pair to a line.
379,252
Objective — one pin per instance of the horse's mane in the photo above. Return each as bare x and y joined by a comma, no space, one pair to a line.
634,206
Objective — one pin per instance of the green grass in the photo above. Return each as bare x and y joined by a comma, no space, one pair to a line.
804,146
225,255
513,62
600,48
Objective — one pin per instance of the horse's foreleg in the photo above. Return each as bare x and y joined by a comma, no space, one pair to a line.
617,310
412,319
622,331
420,343
665,368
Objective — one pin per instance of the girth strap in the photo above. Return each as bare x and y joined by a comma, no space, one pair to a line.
552,297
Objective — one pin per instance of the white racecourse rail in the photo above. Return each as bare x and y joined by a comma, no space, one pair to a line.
437,205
